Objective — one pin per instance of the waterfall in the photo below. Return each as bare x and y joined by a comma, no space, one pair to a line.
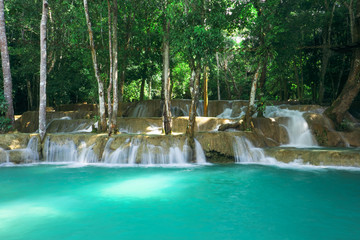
226,113
31,153
200,155
134,151
23,155
139,111
60,152
296,126
245,152
4,156
86,154
67,151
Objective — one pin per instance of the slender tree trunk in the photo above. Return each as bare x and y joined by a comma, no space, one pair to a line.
226,82
115,68
206,97
142,86
43,56
124,63
298,88
194,90
324,64
337,85
5,61
237,90
326,52
301,79
29,95
102,125
166,79
285,89
150,83
111,75
251,106
218,77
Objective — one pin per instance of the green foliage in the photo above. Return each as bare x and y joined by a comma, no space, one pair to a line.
262,103
5,123
288,33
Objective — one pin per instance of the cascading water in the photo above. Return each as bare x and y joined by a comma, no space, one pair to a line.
4,157
296,126
60,152
67,151
24,155
86,154
133,151
245,152
200,155
30,153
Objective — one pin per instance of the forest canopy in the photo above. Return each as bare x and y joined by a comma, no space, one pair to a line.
304,48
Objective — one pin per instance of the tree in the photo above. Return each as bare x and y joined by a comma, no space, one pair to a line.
43,58
115,65
6,65
102,125
339,107
166,71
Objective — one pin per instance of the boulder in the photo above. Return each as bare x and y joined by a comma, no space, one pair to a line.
326,135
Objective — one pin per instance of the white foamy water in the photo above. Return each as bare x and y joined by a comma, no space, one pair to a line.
67,152
296,126
135,151
24,155
199,152
246,152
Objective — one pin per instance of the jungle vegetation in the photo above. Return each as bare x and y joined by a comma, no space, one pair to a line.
306,51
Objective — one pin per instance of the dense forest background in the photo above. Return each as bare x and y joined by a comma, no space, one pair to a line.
302,47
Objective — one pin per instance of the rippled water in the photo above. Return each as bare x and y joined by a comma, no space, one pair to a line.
207,202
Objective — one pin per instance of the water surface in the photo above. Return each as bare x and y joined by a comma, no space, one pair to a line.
204,202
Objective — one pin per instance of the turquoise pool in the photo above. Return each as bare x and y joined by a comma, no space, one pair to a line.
206,202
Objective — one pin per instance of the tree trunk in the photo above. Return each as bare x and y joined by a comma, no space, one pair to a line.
298,88
29,95
226,82
285,89
43,56
5,61
326,52
251,106
194,90
261,83
111,75
324,64
217,77
115,67
142,87
301,79
102,125
337,85
166,79
150,88
351,89
206,97
124,63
